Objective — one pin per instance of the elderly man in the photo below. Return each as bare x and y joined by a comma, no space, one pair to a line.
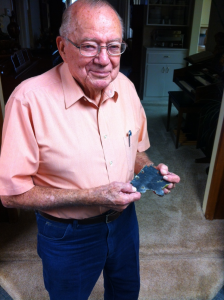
72,140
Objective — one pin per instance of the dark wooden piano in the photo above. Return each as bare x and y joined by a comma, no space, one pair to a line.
201,84
200,81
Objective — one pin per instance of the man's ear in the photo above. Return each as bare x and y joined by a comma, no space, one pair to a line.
61,47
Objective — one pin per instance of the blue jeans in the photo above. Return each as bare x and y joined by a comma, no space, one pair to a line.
74,256
220,295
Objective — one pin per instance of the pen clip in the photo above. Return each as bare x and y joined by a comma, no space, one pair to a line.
129,137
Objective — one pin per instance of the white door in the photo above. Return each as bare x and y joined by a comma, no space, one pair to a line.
154,80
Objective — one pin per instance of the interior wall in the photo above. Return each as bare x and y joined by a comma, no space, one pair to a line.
205,13
196,27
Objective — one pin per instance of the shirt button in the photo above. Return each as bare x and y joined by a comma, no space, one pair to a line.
105,136
111,162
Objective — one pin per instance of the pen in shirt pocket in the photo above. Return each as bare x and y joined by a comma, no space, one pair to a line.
129,137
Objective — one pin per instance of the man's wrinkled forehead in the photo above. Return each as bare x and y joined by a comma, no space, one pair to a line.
84,17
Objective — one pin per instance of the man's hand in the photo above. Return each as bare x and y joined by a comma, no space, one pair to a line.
168,176
116,195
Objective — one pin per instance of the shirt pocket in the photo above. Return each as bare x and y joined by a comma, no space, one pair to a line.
131,147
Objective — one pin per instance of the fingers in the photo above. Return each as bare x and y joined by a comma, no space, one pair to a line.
162,168
170,186
171,177
166,191
128,188
168,176
118,195
127,195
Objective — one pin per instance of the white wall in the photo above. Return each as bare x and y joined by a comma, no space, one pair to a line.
205,13
196,27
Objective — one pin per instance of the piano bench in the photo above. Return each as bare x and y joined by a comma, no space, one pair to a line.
184,104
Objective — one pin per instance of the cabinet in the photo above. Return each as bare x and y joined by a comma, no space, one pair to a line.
168,12
159,67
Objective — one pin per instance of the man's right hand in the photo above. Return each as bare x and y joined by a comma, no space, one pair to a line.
116,195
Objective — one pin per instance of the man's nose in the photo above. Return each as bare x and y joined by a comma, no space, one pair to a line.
103,57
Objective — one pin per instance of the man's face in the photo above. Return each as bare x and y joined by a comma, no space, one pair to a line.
100,25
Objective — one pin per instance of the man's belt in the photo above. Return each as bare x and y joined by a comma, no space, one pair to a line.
106,218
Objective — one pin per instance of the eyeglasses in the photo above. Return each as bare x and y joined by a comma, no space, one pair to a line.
91,49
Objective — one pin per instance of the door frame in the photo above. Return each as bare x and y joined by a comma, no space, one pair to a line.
213,204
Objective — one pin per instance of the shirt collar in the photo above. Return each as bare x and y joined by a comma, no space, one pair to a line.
110,93
73,92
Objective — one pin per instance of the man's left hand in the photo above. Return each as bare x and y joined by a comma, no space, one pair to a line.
168,176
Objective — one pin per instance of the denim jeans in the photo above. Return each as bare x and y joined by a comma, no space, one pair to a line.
220,295
74,255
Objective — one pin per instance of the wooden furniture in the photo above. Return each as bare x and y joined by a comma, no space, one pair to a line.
201,83
169,15
160,65
184,104
168,12
215,204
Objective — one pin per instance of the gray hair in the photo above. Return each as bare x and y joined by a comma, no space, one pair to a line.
65,28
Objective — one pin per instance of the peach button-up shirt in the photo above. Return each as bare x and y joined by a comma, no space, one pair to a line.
54,136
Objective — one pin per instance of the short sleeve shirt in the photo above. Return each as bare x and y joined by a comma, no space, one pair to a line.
54,136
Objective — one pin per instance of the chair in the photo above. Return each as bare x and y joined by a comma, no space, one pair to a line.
184,104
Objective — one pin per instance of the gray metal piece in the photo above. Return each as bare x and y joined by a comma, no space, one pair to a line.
150,179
